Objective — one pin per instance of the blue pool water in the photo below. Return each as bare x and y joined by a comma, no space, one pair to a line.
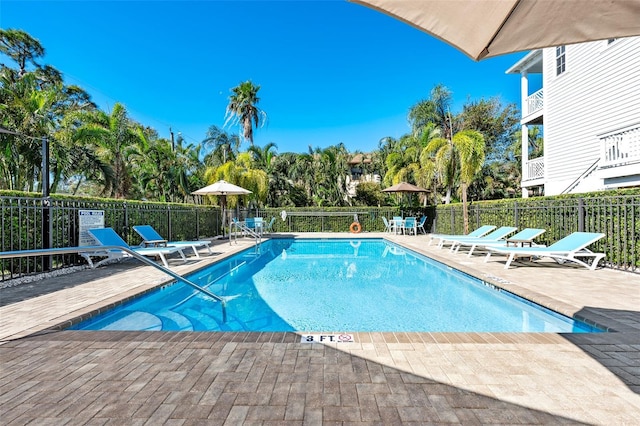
333,286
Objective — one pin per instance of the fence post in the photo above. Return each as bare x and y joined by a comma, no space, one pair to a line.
46,206
169,221
477,209
126,222
197,225
452,221
581,214
516,215
47,235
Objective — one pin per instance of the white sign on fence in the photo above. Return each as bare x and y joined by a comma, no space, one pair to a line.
89,219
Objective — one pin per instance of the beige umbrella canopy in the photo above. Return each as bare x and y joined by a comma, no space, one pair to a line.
404,187
486,28
222,188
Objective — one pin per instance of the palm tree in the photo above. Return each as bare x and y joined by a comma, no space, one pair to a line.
461,157
117,141
434,110
243,109
329,184
32,112
221,145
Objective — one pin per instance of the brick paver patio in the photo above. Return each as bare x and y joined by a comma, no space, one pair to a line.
78,377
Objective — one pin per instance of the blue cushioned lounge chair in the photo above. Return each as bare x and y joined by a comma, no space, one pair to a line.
151,238
570,248
109,237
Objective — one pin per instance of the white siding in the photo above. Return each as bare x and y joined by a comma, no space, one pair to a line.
598,93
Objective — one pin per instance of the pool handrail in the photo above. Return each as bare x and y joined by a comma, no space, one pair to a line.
71,250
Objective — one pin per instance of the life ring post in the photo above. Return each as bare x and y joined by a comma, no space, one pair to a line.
355,228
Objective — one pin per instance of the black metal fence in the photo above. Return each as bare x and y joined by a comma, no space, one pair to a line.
618,217
29,223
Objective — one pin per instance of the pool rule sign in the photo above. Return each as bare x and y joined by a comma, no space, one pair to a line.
327,338
89,219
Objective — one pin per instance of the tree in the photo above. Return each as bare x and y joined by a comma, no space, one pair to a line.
222,146
435,110
330,168
243,109
496,122
21,47
461,157
117,141
369,194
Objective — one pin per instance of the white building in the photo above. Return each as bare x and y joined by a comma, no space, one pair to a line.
358,175
589,110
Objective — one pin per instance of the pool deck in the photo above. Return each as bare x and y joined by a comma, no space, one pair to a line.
188,378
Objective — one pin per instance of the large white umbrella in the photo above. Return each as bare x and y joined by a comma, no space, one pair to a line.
222,188
486,28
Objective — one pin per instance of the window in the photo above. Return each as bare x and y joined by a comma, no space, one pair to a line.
561,60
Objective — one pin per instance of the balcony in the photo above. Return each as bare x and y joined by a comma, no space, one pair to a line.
533,104
533,172
620,148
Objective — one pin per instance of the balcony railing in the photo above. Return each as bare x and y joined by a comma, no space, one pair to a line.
621,148
534,169
534,103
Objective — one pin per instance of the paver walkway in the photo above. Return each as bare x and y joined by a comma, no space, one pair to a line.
77,377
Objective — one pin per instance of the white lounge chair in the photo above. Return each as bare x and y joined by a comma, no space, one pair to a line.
523,237
493,237
151,238
569,248
483,230
109,237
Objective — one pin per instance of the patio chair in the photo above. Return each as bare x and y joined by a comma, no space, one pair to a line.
524,237
420,225
387,225
492,237
410,226
568,248
269,228
151,237
397,223
109,237
483,230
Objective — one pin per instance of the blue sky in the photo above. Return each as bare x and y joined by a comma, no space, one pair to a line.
330,71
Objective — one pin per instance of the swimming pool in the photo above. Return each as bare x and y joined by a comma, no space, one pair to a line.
333,286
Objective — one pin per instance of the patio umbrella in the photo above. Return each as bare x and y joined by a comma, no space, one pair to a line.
222,188
486,28
405,187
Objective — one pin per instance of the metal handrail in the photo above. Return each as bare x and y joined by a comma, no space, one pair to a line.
246,229
69,250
